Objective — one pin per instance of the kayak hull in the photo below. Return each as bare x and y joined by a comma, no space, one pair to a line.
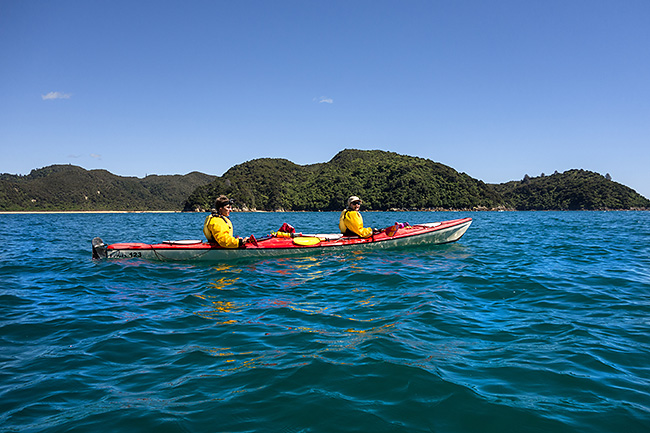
189,250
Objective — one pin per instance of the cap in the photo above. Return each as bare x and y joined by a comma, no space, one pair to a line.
353,199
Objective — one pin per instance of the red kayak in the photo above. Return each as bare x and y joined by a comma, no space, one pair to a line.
286,244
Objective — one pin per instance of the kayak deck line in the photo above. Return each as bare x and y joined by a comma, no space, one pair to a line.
198,250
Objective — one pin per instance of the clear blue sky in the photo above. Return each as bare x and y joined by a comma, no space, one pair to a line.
496,89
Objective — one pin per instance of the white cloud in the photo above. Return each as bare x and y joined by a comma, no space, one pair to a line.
78,156
324,99
55,95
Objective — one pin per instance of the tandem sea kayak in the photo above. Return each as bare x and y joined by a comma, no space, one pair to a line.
280,246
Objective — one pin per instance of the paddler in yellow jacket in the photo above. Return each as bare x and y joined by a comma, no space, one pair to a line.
218,228
351,222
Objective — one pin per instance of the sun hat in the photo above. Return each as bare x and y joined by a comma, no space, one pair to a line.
353,199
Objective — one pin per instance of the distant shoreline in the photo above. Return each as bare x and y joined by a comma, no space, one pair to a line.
292,211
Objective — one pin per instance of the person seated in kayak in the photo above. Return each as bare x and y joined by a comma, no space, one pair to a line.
351,222
218,228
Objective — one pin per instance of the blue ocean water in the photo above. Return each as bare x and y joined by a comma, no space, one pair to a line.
532,322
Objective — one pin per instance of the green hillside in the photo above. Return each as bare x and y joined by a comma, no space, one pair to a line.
571,190
72,188
387,180
384,180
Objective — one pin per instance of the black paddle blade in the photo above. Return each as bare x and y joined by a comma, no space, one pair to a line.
99,249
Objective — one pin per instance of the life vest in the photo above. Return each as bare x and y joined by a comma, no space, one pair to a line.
342,227
206,223
206,230
223,233
351,224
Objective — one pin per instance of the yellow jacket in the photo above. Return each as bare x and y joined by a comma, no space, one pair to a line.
218,228
351,221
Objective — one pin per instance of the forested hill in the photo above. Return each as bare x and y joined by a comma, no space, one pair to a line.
571,190
72,188
386,180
